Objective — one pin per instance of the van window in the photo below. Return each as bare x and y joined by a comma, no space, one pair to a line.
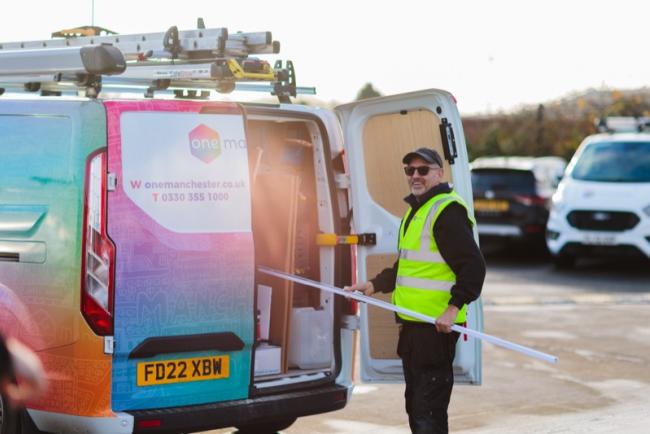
514,181
41,143
614,162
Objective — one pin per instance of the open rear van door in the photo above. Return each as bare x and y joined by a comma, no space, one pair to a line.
378,132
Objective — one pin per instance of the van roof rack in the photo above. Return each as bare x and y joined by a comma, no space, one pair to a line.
171,61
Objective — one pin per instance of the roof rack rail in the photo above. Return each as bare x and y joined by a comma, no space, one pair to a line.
623,124
205,59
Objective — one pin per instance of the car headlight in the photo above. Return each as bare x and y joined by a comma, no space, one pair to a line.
646,210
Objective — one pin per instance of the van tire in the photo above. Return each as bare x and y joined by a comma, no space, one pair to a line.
270,427
27,425
8,417
564,261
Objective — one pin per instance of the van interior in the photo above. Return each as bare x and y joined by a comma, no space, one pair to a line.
294,323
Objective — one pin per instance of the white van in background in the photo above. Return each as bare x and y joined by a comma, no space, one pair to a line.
602,205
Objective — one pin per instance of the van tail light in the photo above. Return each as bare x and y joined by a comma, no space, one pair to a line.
98,251
531,200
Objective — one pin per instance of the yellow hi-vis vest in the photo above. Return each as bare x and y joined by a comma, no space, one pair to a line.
424,280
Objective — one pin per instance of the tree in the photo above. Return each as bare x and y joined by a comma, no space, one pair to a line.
367,91
553,128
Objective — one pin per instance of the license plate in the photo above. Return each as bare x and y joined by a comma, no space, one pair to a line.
599,240
183,370
491,205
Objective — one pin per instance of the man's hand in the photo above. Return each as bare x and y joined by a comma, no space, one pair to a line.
366,287
445,321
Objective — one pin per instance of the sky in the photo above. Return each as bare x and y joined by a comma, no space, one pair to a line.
492,55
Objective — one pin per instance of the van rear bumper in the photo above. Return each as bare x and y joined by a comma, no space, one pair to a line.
241,412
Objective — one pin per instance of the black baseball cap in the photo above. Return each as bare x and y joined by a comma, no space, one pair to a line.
427,154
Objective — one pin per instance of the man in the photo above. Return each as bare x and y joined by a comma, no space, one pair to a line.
440,270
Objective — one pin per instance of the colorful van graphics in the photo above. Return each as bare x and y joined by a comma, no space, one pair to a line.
180,219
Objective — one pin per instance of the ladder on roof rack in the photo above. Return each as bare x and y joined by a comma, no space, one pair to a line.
209,59
184,45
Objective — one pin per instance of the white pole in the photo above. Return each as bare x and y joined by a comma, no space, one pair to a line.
388,306
92,14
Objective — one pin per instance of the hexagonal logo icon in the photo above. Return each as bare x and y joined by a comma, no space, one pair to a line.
205,143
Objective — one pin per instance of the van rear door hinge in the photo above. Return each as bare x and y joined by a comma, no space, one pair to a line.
335,240
109,344
111,182
448,141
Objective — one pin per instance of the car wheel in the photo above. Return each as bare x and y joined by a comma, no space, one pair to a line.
8,417
564,261
271,427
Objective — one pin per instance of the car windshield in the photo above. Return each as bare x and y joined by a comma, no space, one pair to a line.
503,180
614,162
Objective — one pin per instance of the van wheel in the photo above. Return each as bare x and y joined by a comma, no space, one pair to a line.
8,417
564,262
271,427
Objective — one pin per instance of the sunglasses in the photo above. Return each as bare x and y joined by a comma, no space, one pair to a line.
422,170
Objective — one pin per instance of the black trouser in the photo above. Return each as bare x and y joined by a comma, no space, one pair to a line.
427,357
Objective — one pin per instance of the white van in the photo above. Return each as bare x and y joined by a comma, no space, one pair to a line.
131,231
602,205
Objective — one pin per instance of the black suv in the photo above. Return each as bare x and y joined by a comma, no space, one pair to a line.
512,194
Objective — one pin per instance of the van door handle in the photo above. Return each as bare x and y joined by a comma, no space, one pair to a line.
20,218
9,256
34,252
223,342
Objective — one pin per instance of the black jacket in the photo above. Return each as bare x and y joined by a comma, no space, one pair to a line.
455,239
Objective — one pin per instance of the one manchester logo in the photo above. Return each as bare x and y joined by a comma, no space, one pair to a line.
205,143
